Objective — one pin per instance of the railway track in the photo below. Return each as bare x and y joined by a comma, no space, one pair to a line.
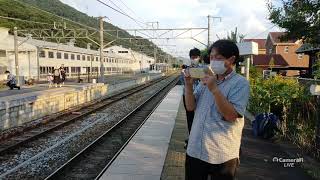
94,159
62,120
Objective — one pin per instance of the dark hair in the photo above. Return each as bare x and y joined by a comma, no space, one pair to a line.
7,72
184,66
206,58
226,48
194,52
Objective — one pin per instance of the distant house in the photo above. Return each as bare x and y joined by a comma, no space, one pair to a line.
261,44
266,61
313,51
287,49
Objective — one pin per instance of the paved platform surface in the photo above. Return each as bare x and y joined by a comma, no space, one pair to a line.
112,79
173,168
255,161
144,156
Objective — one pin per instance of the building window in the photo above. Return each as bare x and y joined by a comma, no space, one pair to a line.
120,52
286,49
58,55
78,57
50,54
83,57
42,54
66,56
97,59
3,53
73,69
72,56
88,58
300,56
66,69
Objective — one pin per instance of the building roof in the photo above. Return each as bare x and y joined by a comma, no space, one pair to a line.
264,60
308,48
58,46
261,42
276,37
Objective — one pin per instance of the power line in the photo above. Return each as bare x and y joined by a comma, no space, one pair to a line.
262,32
130,9
66,19
136,21
119,11
116,6
57,16
22,20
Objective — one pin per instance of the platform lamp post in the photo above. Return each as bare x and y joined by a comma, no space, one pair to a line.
248,49
16,54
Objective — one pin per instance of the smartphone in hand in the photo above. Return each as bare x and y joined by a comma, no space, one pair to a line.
197,73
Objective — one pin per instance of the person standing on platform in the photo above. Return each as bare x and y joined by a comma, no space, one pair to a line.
194,55
11,81
63,74
219,102
57,77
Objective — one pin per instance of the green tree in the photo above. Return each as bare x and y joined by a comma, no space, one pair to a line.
300,18
316,73
235,37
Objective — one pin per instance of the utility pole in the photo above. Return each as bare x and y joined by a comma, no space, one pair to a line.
208,31
154,34
101,50
16,52
155,55
248,59
38,64
209,18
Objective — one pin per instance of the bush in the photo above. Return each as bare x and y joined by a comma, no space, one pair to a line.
291,102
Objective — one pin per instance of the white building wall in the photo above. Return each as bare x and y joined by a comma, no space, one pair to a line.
27,63
113,62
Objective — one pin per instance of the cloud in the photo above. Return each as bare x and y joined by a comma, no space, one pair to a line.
250,16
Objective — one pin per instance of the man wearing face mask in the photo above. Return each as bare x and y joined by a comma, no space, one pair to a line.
219,102
194,55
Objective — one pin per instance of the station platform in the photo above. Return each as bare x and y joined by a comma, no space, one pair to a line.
157,150
69,84
145,154
20,108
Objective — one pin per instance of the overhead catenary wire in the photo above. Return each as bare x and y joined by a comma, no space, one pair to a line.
57,16
125,14
262,32
130,9
137,21
63,18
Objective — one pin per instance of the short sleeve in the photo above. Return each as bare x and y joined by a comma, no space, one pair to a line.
239,96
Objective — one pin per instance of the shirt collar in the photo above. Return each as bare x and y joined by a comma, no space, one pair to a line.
229,76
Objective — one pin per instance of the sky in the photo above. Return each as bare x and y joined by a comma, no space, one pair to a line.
249,16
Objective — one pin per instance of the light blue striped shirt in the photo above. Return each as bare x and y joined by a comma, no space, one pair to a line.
213,139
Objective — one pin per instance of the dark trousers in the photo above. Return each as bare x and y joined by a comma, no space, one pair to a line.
11,86
200,170
189,114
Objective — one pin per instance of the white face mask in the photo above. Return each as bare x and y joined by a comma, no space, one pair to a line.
194,61
218,67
